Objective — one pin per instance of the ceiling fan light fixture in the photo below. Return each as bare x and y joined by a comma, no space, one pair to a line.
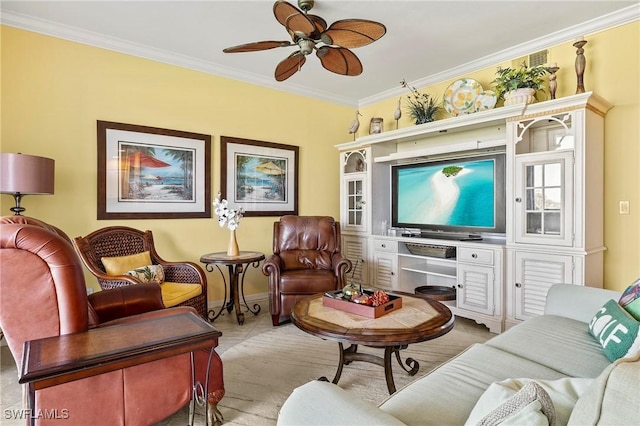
306,46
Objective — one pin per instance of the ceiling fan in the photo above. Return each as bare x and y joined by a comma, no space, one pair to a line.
310,32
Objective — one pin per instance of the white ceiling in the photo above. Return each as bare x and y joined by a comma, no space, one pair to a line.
426,41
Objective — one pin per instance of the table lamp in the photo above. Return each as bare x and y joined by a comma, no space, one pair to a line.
22,174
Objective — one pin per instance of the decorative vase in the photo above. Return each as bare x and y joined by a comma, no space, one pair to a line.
520,96
232,248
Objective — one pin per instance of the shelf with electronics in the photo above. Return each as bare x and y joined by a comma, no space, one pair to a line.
501,279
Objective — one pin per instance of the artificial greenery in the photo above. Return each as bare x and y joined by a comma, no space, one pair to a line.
509,79
421,106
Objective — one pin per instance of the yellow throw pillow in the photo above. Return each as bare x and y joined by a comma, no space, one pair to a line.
119,265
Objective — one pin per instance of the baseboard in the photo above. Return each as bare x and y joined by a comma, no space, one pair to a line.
250,298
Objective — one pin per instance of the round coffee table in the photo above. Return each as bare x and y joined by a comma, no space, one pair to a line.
418,320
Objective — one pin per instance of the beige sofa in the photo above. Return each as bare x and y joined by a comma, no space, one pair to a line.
554,350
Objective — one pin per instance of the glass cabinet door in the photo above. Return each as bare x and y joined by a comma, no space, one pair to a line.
543,198
355,201
354,193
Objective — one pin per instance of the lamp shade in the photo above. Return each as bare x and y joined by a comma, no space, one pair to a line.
26,174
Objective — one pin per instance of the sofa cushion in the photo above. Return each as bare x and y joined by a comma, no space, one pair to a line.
321,403
562,392
612,398
560,343
447,395
175,293
616,330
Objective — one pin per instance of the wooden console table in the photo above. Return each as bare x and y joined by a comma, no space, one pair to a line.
60,359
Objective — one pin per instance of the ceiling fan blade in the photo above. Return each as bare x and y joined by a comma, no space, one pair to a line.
353,33
321,24
258,45
293,18
290,66
339,60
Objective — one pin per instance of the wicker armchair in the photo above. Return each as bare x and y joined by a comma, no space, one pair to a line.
115,241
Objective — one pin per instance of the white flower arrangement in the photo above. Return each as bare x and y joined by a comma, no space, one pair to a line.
226,216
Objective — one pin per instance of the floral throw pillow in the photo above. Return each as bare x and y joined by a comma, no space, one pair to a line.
148,273
630,299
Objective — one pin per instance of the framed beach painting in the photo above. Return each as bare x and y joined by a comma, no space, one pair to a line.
261,177
152,173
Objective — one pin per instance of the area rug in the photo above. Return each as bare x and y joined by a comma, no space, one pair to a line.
261,372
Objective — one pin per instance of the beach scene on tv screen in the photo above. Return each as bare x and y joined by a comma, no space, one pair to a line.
453,194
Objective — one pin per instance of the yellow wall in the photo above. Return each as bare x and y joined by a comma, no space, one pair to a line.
613,72
53,91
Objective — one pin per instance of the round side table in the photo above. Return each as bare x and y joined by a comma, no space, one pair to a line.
237,267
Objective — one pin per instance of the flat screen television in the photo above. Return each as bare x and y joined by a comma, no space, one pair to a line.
450,198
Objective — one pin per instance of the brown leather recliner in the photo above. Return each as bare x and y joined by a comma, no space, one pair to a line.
306,260
43,294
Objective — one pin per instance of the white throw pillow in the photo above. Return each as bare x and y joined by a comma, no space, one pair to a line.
563,393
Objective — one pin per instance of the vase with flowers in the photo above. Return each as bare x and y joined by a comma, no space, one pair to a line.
229,218
421,106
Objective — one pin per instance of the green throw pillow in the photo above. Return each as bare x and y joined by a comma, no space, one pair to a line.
616,330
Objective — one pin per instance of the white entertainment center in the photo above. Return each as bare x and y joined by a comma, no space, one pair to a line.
554,208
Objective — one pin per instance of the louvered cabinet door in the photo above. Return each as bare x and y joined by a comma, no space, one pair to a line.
475,288
384,267
354,248
535,273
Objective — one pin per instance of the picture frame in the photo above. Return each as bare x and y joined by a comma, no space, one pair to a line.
260,177
152,173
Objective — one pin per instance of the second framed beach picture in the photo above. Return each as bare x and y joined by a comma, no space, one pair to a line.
261,177
152,173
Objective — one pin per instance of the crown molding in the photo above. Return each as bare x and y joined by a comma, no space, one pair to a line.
614,19
90,38
620,17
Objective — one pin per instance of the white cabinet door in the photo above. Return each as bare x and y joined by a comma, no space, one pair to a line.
355,203
384,270
354,248
475,288
543,207
535,273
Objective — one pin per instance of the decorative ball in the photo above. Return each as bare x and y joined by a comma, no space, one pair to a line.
350,291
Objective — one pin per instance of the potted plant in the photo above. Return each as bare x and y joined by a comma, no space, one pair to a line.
520,85
422,107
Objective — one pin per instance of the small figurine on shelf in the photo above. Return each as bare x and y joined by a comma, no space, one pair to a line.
398,112
355,125
553,84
